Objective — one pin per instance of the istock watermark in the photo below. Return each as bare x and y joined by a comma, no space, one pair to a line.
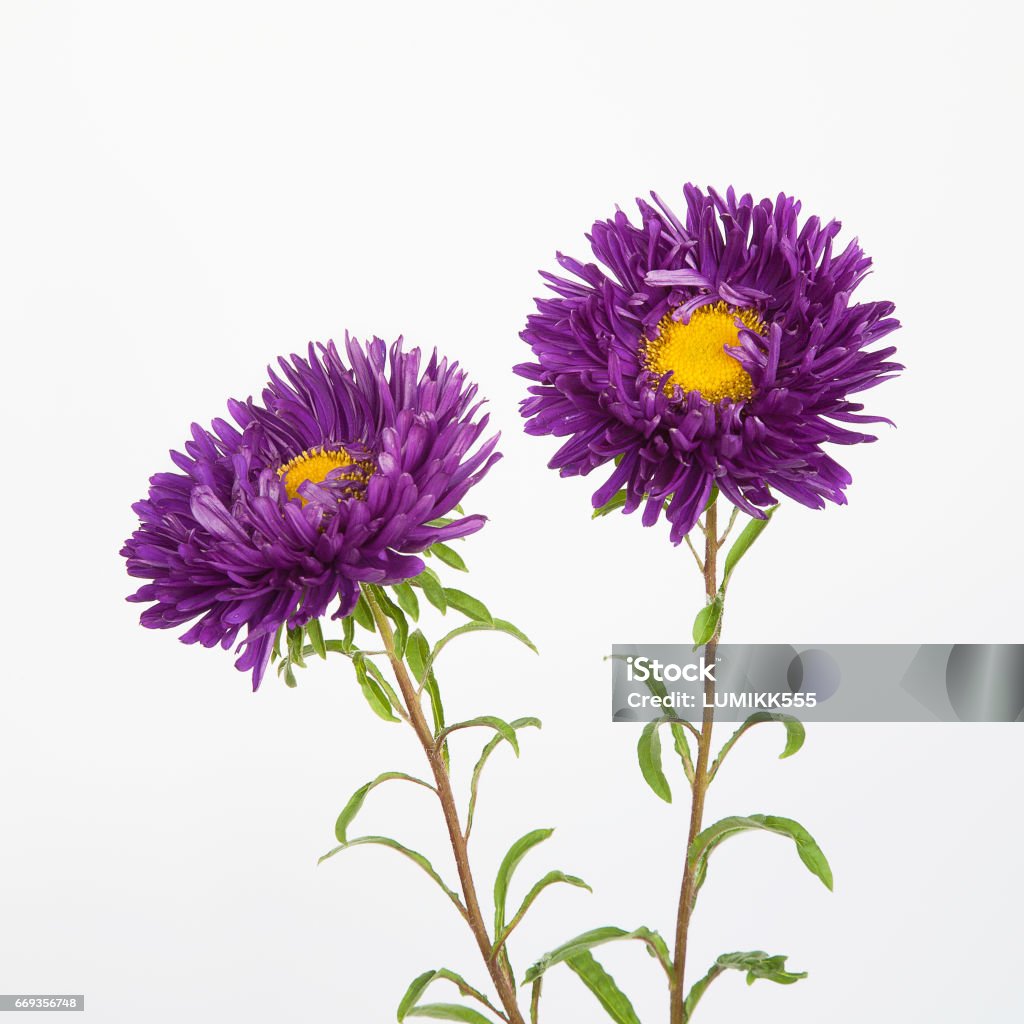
822,682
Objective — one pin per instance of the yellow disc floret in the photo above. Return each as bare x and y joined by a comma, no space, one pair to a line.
697,353
315,464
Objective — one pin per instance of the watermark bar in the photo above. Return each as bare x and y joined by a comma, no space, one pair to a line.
41,1002
820,683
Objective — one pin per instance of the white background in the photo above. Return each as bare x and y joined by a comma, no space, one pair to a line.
189,190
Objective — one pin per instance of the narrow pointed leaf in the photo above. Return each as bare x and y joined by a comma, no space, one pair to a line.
648,752
656,946
316,638
358,798
504,626
468,605
420,984
498,625
428,582
602,985
416,858
743,542
682,748
516,852
551,878
795,735
385,686
375,696
362,614
417,654
518,723
397,616
449,1011
448,555
436,705
416,988
499,725
706,622
807,849
407,600
348,632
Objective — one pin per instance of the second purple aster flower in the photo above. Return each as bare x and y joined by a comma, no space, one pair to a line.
716,349
338,477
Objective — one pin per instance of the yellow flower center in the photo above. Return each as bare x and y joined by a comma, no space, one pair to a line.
315,465
697,354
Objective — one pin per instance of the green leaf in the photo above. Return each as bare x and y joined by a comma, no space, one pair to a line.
433,690
420,984
428,582
348,633
372,691
362,614
416,988
519,723
499,725
316,637
448,555
712,498
516,852
742,544
535,1001
392,844
603,986
658,688
449,1011
795,735
337,646
616,501
295,637
656,946
468,605
648,752
497,625
808,850
682,748
358,798
289,675
760,966
407,600
757,964
417,654
551,878
504,626
436,706
396,615
276,652
706,622
378,676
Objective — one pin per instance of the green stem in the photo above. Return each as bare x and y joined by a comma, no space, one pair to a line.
502,980
701,779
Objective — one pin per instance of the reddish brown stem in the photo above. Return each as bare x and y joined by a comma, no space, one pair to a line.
496,968
677,995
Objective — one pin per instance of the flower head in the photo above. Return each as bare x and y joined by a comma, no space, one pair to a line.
717,350
337,478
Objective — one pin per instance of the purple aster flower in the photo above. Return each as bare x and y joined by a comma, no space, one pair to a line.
336,479
720,350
